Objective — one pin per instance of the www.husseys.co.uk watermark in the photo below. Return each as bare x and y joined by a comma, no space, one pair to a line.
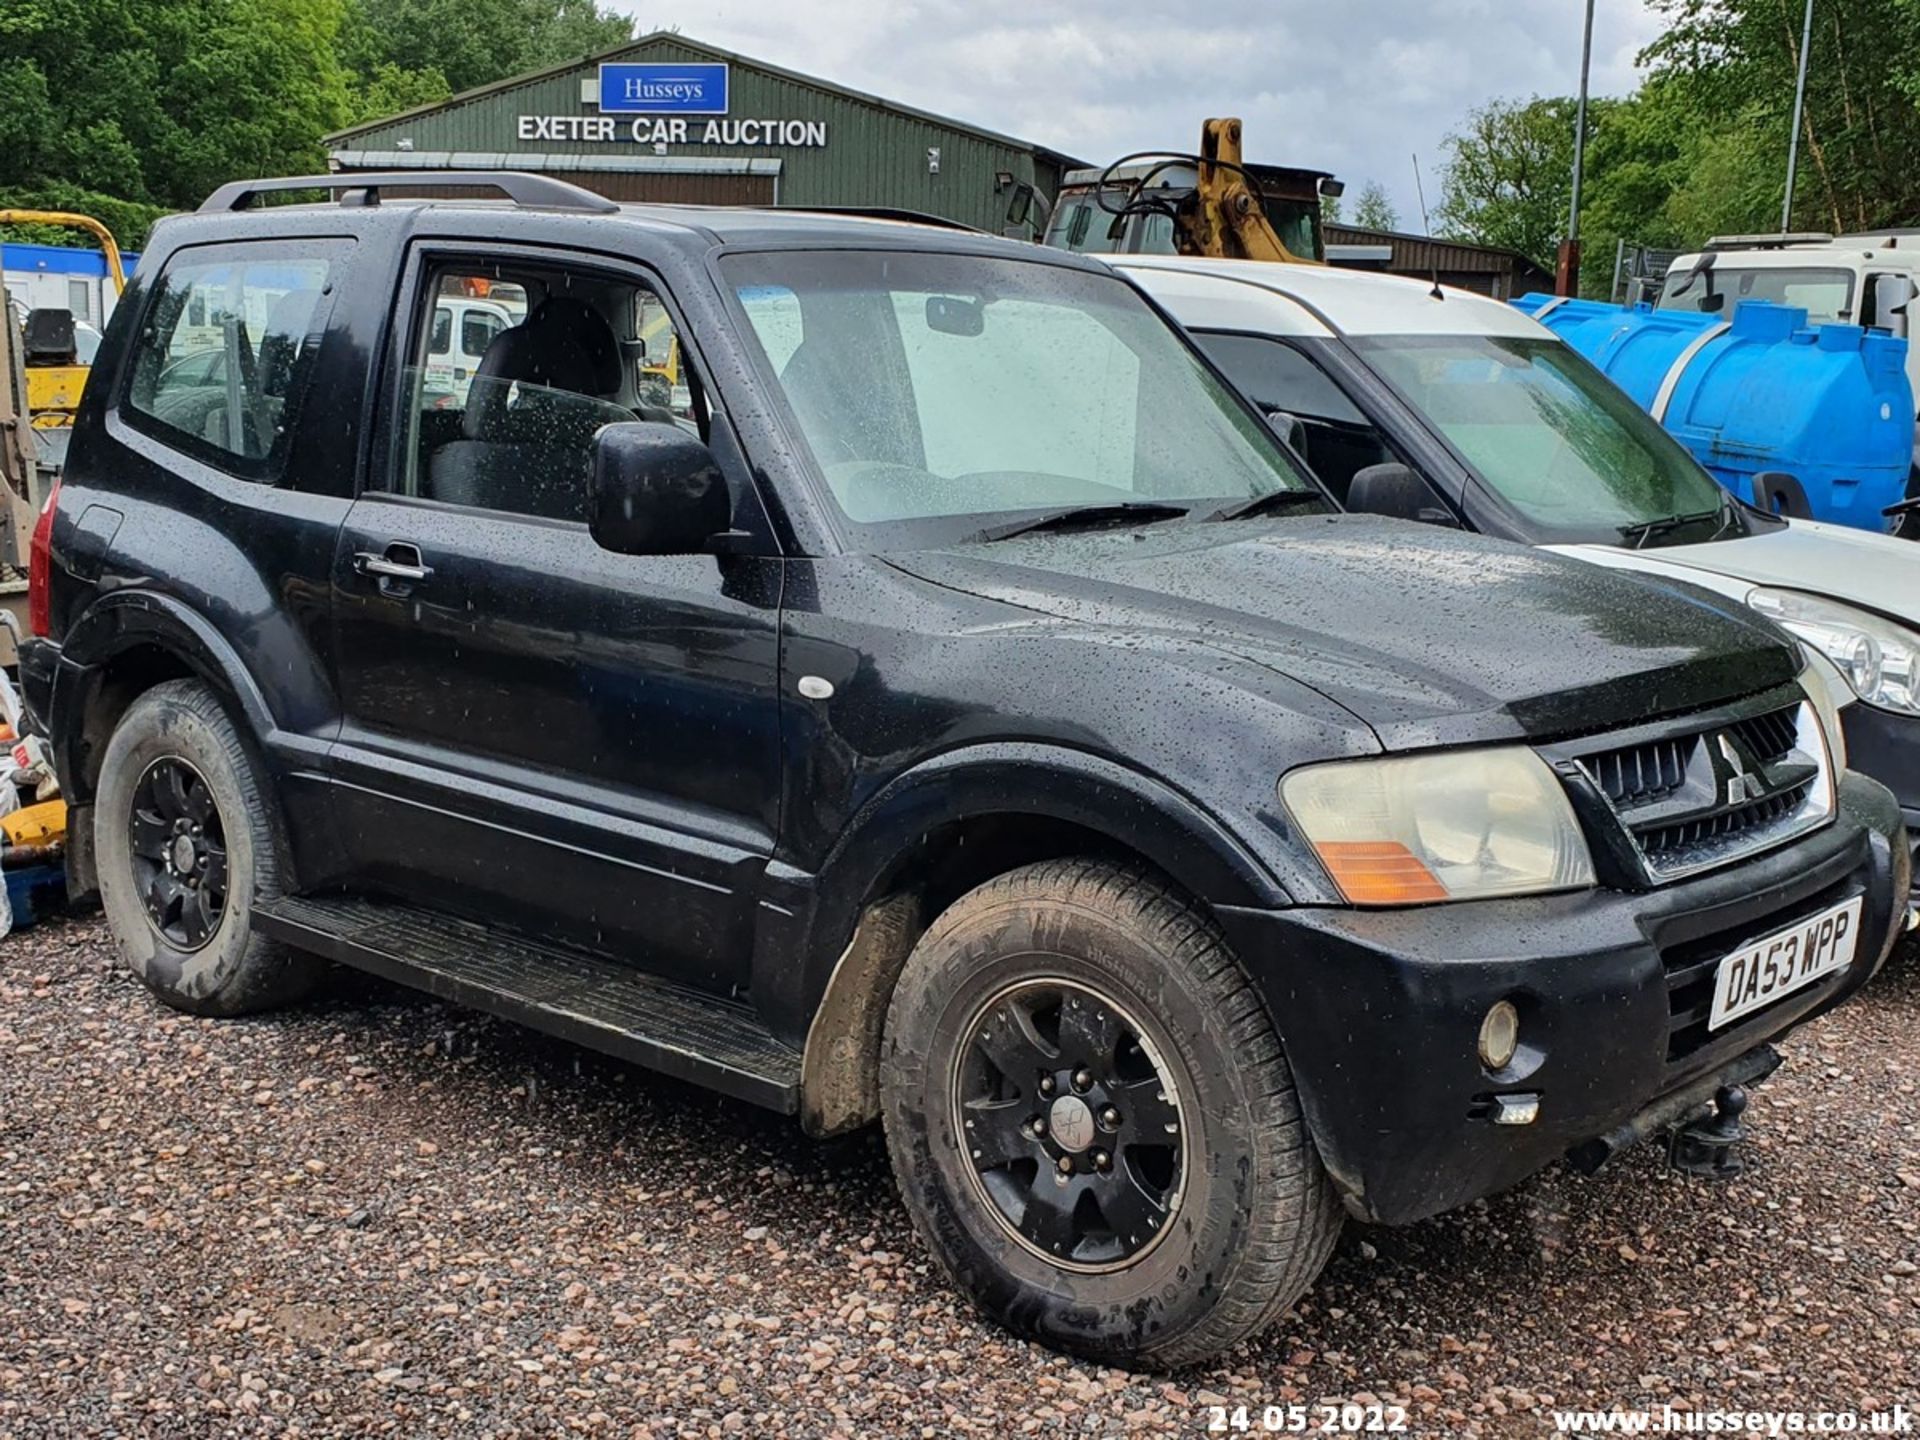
1666,1420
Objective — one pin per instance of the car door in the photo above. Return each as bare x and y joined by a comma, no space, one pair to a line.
537,732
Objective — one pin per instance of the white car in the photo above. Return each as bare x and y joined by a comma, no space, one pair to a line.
1440,405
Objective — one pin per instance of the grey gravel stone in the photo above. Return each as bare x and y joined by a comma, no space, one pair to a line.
560,1245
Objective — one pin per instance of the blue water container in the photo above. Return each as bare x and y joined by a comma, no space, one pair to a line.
1829,405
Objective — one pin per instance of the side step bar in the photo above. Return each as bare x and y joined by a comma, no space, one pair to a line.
593,1002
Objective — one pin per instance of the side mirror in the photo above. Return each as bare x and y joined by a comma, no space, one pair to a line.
1020,204
1891,294
1397,490
654,490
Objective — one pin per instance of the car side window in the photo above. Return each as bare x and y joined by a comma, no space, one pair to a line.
226,350
504,420
1333,434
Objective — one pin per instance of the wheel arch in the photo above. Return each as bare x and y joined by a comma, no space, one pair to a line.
955,822
121,647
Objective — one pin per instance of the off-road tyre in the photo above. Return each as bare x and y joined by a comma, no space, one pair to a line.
179,729
1256,1217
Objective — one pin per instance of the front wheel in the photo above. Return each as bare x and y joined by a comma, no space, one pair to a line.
183,841
1093,1123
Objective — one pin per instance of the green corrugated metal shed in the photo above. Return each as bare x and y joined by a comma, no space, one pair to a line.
876,153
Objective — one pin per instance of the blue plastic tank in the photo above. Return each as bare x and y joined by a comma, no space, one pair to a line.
1829,405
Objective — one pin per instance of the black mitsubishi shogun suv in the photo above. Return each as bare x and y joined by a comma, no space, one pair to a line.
882,672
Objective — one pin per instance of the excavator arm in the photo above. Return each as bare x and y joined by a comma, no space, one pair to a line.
1224,219
87,223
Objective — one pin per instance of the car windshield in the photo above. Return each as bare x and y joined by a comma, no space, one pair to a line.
944,395
1567,450
1824,292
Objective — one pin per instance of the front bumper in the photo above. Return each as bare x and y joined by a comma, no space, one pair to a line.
1887,747
1380,1010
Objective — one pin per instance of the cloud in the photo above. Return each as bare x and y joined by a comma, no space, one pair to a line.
1353,86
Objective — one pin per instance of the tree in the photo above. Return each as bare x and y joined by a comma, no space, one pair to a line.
152,103
1506,176
1735,61
130,108
1374,210
474,42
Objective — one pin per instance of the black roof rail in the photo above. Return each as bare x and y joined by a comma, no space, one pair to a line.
887,212
517,185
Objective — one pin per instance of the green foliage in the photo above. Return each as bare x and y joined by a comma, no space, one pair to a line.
130,108
472,42
1374,210
1701,148
1506,178
129,220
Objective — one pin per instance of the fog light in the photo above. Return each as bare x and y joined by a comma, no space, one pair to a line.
1499,1036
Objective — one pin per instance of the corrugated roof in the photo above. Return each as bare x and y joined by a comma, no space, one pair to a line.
670,37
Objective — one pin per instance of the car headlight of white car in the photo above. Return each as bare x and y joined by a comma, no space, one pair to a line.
1456,825
1879,658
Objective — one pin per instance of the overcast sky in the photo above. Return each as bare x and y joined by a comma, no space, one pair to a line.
1352,86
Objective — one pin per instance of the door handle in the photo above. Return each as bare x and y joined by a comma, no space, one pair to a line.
401,562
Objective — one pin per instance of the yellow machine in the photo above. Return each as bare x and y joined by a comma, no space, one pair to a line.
54,375
1222,216
1211,204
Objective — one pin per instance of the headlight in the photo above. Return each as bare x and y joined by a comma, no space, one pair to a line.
1880,659
1464,825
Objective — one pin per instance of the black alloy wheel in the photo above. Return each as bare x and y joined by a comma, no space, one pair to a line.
179,852
1072,1124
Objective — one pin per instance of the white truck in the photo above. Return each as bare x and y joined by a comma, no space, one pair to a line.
1864,279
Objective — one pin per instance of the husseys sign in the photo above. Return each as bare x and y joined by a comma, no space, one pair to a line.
656,104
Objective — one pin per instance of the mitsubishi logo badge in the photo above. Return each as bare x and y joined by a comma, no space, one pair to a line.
1742,784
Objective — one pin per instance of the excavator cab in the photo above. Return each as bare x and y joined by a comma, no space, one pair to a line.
1208,204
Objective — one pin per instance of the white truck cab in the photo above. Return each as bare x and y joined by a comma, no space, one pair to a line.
1864,279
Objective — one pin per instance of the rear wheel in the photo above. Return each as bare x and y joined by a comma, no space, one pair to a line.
183,843
1092,1121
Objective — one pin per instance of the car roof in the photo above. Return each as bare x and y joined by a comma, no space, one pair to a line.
700,226
1317,299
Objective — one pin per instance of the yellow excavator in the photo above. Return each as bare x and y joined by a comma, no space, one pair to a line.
41,380
1211,204
54,375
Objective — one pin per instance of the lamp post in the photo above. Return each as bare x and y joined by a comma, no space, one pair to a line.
1566,280
1799,106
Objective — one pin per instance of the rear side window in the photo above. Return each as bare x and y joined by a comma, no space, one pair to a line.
227,347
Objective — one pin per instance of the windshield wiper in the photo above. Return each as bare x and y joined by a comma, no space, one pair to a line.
1645,530
1266,504
1129,511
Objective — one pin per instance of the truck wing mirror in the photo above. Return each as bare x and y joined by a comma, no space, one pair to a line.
1020,204
1891,296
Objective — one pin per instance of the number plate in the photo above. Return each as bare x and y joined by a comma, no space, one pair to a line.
1784,962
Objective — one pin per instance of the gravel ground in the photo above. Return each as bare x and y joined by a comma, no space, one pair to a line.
379,1216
